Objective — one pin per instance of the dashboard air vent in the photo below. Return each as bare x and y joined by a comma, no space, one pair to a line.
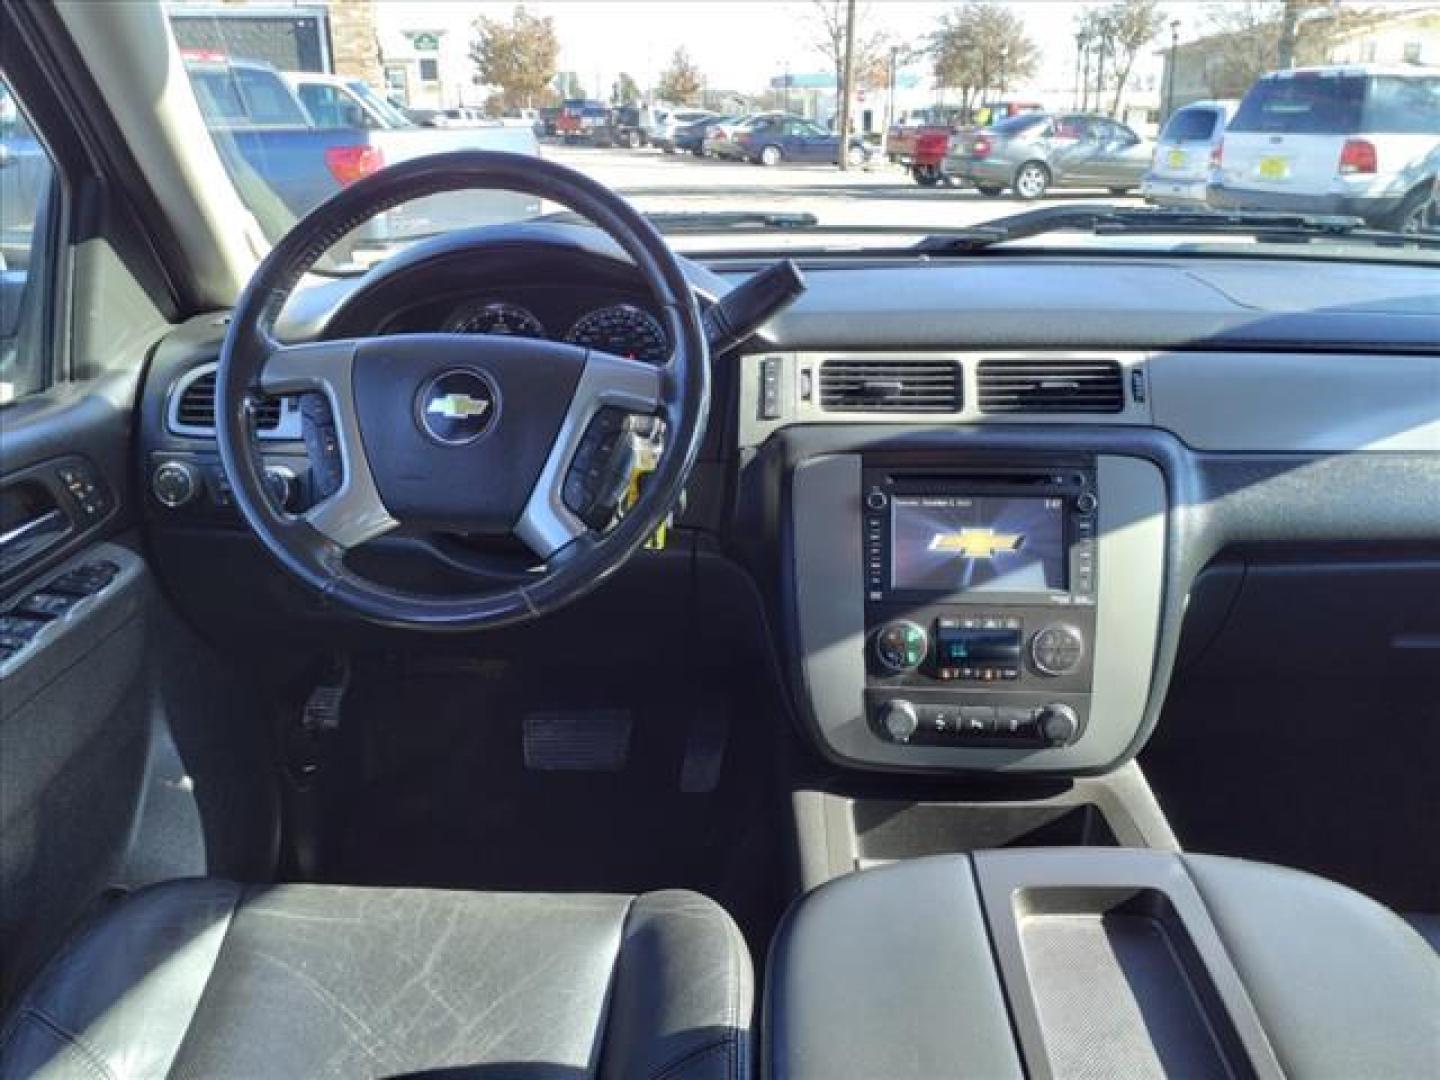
196,408
857,384
1051,386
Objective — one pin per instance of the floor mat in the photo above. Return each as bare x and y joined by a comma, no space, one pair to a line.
438,793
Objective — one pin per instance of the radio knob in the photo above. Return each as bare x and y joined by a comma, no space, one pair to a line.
1086,502
901,646
1057,649
1059,724
900,720
175,483
876,500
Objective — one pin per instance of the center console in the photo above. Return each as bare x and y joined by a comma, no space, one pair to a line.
1060,963
980,593
976,611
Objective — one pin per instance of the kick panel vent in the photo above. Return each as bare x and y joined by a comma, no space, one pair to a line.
196,407
890,385
1051,386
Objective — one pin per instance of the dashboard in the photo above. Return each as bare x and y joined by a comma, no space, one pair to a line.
976,497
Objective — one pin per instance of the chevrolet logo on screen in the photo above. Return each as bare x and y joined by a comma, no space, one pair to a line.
976,543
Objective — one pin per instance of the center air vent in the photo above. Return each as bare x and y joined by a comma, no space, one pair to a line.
1051,386
192,410
857,384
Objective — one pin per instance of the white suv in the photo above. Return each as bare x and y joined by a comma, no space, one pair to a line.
1334,140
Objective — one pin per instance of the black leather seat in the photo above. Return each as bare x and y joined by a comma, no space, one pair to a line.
206,978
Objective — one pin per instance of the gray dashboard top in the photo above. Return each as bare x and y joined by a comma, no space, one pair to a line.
1115,302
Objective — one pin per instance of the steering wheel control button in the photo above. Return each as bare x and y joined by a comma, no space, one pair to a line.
1057,649
901,646
601,468
175,483
457,407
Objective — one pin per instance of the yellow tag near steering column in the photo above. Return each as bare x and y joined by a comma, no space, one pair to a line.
647,457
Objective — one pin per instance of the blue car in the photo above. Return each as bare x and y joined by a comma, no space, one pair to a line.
771,139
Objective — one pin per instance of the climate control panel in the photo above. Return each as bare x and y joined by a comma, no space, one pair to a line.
949,674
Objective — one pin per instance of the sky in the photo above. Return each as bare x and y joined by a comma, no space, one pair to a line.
739,44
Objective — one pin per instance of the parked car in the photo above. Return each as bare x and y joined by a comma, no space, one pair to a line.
338,101
463,116
290,160
624,125
545,122
719,134
1334,140
1188,148
690,138
579,117
669,123
1034,152
771,139
920,149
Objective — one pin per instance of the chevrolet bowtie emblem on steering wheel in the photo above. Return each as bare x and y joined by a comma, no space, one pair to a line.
456,407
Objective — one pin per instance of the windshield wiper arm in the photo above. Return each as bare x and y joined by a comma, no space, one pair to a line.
704,221
1108,220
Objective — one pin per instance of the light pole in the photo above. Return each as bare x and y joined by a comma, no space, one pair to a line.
1174,60
1085,41
890,94
1080,41
1100,40
1004,56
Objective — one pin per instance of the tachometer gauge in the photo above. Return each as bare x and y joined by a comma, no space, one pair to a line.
622,329
496,317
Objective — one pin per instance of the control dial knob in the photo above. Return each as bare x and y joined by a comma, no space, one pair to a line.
1057,649
1059,724
175,483
901,646
900,720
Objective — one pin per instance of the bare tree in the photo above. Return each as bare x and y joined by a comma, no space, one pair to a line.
981,46
1248,39
1129,26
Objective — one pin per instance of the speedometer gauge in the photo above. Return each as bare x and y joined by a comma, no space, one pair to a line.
622,329
496,317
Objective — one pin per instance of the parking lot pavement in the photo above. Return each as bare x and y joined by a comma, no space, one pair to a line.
882,194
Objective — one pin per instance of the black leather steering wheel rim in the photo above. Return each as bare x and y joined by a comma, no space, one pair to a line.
681,395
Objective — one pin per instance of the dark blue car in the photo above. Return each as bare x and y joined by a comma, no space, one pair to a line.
771,139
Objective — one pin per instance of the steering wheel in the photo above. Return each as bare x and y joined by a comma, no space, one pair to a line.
457,433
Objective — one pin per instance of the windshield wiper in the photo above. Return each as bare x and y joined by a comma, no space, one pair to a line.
1108,220
705,221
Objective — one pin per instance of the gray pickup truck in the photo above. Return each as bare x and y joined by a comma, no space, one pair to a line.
291,140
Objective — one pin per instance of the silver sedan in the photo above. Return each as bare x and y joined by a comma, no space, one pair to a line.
1031,154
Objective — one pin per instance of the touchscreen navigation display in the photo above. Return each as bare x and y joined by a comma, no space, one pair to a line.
956,543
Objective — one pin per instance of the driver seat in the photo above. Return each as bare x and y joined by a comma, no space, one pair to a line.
204,977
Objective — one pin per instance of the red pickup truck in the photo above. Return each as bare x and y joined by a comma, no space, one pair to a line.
921,147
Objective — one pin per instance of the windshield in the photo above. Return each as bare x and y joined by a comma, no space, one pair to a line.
788,127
